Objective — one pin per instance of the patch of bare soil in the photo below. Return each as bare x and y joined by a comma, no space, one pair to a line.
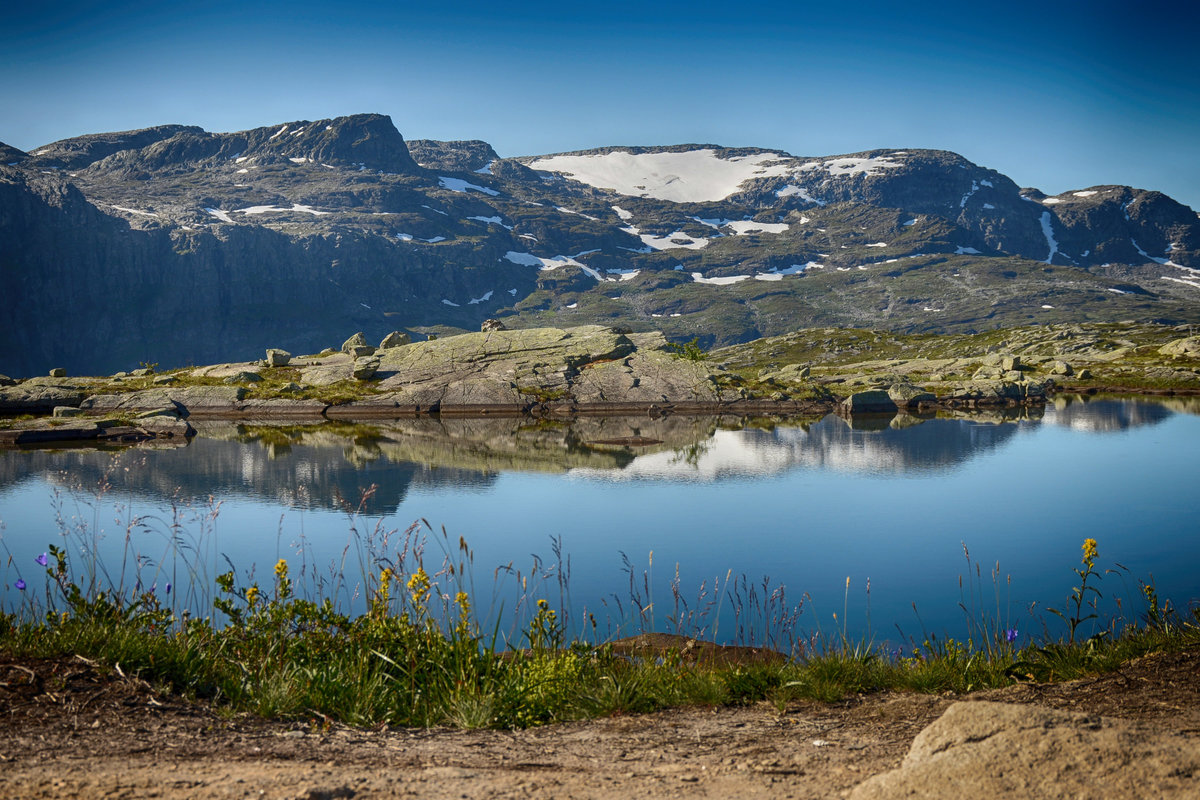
73,730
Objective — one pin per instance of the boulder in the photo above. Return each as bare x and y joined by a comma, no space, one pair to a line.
278,358
1060,368
986,749
905,395
365,368
1187,348
166,425
357,340
395,339
492,325
34,398
7,381
164,380
872,401
141,373
58,372
1010,363
244,376
362,351
164,411
66,411
789,373
191,398
987,373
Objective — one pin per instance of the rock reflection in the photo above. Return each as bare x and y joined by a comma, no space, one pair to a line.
329,465
1112,414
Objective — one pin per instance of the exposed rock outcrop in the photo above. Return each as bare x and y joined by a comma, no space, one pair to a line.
985,749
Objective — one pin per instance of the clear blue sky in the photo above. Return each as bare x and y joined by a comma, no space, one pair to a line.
1058,95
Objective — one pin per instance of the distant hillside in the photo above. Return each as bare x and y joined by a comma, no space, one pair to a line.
176,245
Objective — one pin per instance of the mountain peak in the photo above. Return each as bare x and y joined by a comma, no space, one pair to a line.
366,140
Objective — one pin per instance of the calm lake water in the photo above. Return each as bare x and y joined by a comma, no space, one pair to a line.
807,503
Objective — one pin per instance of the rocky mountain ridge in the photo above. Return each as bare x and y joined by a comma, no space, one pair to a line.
176,245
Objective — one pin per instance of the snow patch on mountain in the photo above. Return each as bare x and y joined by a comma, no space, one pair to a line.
698,277
746,226
1048,232
693,176
493,221
547,264
249,210
1166,262
459,185
671,241
624,274
777,273
791,190
852,166
135,211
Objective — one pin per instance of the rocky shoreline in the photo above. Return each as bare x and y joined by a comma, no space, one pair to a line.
581,371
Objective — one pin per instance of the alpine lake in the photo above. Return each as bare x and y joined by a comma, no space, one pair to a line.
762,530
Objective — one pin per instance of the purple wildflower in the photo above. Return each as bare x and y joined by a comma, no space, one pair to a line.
168,587
20,584
43,559
1010,635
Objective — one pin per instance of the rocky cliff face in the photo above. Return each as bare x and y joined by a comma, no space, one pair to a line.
176,245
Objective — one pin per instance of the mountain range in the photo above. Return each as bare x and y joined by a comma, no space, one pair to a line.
174,245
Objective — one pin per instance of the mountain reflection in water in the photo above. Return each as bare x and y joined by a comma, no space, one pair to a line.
329,465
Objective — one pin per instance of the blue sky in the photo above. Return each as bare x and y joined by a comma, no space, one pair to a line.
1056,95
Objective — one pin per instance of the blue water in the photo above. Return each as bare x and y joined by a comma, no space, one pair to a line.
810,506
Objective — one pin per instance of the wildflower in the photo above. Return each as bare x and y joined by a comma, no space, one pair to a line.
464,614
20,584
168,587
43,559
281,569
252,596
1089,551
418,586
1010,635
384,591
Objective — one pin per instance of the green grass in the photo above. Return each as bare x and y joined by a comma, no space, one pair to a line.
427,648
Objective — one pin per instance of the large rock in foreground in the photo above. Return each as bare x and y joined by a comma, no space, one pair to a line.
983,749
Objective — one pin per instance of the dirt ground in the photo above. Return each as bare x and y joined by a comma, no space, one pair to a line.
71,730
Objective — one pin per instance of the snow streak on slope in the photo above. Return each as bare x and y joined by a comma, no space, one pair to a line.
1048,231
695,176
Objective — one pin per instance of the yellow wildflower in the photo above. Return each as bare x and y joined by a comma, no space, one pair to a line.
464,614
252,596
1089,551
418,586
281,569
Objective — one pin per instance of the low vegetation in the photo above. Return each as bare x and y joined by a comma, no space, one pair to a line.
405,643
